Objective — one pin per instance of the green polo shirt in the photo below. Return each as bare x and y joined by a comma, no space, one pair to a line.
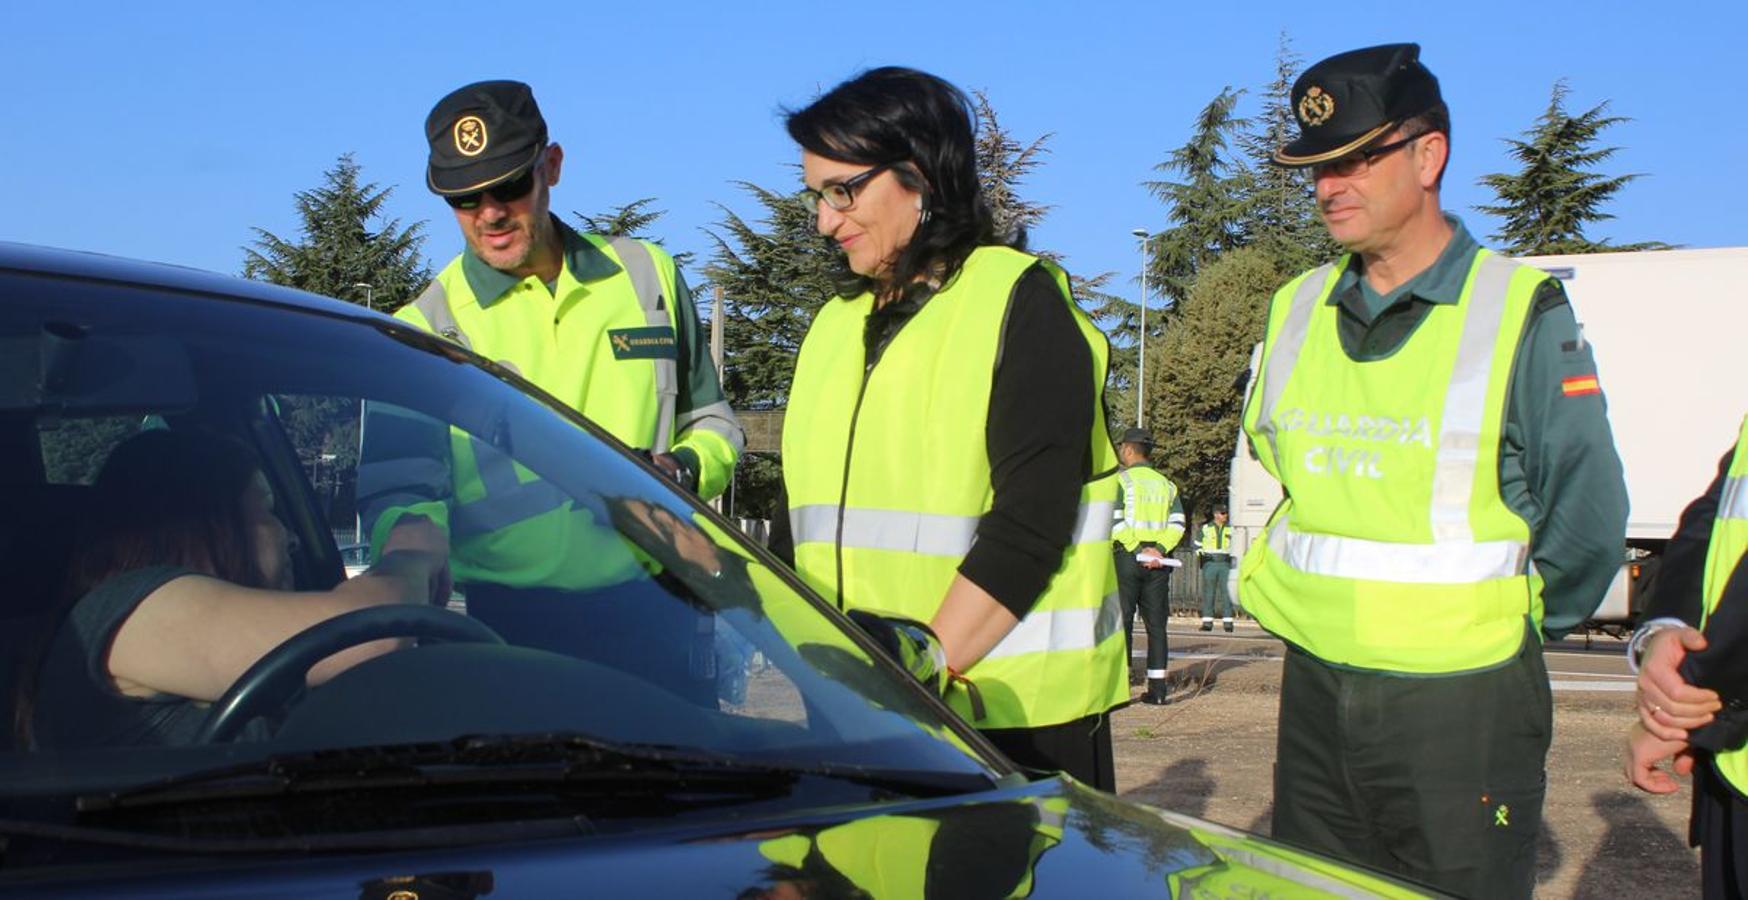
586,262
1558,467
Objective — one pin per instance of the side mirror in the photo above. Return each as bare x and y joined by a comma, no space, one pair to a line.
909,643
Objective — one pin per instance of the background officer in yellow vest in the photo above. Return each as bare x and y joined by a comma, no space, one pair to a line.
1214,557
1147,524
945,456
1454,496
1686,675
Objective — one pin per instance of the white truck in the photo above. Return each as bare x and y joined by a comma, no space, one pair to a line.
1667,329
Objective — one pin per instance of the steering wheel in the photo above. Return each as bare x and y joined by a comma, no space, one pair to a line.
273,680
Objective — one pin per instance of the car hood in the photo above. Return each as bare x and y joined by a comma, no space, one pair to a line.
1050,838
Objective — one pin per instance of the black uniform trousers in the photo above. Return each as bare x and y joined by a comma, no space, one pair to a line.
1440,779
1081,748
1148,590
1719,828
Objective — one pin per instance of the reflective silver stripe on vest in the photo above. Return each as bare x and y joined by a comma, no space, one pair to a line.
1733,501
928,534
717,418
508,499
640,267
1465,407
433,304
1358,559
1284,355
1062,629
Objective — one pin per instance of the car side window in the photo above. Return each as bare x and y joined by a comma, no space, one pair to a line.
73,450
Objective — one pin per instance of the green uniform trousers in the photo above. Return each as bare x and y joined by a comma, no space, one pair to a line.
1439,779
1214,572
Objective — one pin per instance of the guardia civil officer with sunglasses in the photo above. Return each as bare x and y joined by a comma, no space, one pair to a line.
606,325
1454,497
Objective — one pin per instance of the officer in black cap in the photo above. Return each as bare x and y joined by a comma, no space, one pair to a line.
1147,524
488,147
632,355
605,324
1453,499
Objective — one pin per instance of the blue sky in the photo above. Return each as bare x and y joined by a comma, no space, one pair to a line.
165,131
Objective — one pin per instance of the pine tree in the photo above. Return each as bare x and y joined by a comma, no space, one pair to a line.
1003,164
1280,211
343,244
1207,208
345,249
1200,368
774,272
1548,203
631,220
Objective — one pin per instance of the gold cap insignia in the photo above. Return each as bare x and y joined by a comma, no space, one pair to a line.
470,135
1316,107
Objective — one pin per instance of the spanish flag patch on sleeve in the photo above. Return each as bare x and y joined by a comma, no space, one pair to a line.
1580,385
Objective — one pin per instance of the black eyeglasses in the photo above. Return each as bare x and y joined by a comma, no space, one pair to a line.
508,192
841,195
1356,164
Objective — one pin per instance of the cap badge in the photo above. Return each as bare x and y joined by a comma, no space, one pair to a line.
470,135
1316,107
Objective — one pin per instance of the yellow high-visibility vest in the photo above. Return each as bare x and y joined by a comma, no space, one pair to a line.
1729,542
888,474
1394,549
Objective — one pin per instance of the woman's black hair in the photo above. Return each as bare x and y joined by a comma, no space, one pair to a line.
922,126
169,497
163,497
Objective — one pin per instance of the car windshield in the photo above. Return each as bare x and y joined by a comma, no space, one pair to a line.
631,616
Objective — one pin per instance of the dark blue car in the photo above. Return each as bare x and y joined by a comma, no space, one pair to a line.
519,744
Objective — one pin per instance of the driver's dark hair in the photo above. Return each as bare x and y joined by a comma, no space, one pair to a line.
169,498
163,498
922,127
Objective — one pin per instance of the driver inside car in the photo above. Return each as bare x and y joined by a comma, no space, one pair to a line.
181,581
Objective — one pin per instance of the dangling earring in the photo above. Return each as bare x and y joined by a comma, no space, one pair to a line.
922,215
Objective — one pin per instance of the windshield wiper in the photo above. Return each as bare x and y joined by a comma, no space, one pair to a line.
471,760
567,762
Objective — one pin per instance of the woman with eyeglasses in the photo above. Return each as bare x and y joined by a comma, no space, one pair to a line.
945,456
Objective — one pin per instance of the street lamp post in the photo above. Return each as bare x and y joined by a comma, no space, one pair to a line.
1141,367
369,293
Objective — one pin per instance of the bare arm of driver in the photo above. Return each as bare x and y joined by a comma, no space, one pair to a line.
970,623
194,636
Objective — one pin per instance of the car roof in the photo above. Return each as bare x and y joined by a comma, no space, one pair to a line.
99,267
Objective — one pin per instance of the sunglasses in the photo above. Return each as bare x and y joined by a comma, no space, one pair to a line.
841,195
508,192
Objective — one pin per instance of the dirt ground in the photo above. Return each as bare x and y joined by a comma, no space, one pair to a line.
1210,751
